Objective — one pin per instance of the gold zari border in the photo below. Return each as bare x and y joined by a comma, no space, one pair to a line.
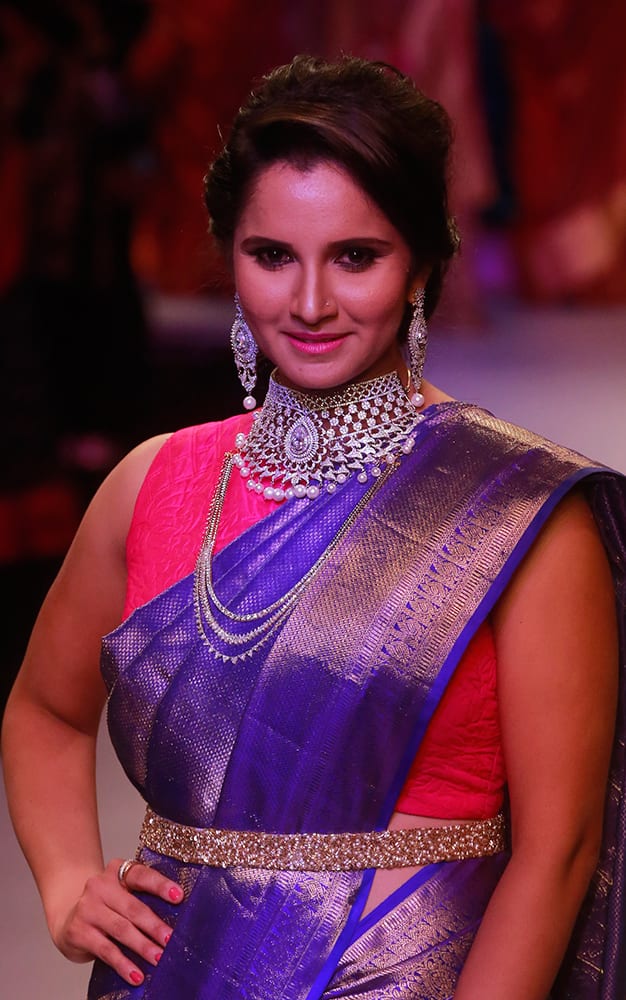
323,851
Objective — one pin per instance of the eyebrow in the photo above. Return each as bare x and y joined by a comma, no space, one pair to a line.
254,242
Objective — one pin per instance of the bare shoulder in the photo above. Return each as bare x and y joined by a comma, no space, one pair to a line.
110,510
124,481
101,536
565,574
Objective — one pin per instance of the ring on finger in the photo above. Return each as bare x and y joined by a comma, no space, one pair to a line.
124,869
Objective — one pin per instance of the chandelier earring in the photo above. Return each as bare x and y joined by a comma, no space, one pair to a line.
245,351
416,339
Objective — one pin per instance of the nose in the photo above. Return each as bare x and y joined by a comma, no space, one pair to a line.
312,300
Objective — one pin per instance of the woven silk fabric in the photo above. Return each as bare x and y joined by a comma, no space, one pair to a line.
317,729
459,770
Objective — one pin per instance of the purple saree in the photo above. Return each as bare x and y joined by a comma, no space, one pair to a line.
316,728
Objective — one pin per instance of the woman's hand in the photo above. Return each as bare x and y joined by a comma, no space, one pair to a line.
108,915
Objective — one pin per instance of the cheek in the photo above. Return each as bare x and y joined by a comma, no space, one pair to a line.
260,298
265,315
382,305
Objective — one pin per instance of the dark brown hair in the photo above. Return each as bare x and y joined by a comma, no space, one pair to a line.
367,117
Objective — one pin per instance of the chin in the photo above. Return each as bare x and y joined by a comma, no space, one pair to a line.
314,381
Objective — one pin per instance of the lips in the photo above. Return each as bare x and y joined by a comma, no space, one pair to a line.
319,343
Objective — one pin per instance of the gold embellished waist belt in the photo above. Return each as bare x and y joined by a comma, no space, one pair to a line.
323,851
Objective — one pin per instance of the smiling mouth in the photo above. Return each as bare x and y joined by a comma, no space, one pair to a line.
316,343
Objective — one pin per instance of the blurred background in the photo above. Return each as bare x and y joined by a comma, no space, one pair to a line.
115,309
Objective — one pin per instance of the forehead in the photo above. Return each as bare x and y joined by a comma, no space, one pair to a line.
310,198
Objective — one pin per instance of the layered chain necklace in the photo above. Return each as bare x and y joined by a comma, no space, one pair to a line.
233,636
300,444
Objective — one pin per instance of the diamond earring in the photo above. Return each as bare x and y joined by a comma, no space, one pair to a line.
416,339
245,351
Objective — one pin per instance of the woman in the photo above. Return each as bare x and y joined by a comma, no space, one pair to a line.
400,617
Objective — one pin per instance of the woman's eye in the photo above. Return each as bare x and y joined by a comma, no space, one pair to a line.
357,258
272,257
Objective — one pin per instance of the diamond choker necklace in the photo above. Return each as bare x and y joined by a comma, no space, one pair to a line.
300,444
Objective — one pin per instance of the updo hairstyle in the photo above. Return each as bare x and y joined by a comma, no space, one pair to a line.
368,118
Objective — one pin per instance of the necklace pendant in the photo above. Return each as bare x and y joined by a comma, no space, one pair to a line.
302,440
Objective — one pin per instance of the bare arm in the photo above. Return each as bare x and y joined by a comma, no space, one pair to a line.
49,739
556,638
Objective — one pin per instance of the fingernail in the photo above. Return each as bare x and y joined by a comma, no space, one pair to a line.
135,977
175,893
166,938
157,956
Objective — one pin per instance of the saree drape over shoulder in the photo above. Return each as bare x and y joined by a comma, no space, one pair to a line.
315,726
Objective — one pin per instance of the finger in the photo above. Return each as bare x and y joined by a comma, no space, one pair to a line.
108,952
143,878
109,906
124,931
99,932
121,916
144,920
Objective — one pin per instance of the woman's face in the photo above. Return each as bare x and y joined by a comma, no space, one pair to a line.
323,276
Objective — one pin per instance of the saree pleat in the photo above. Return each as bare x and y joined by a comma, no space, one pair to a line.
316,728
